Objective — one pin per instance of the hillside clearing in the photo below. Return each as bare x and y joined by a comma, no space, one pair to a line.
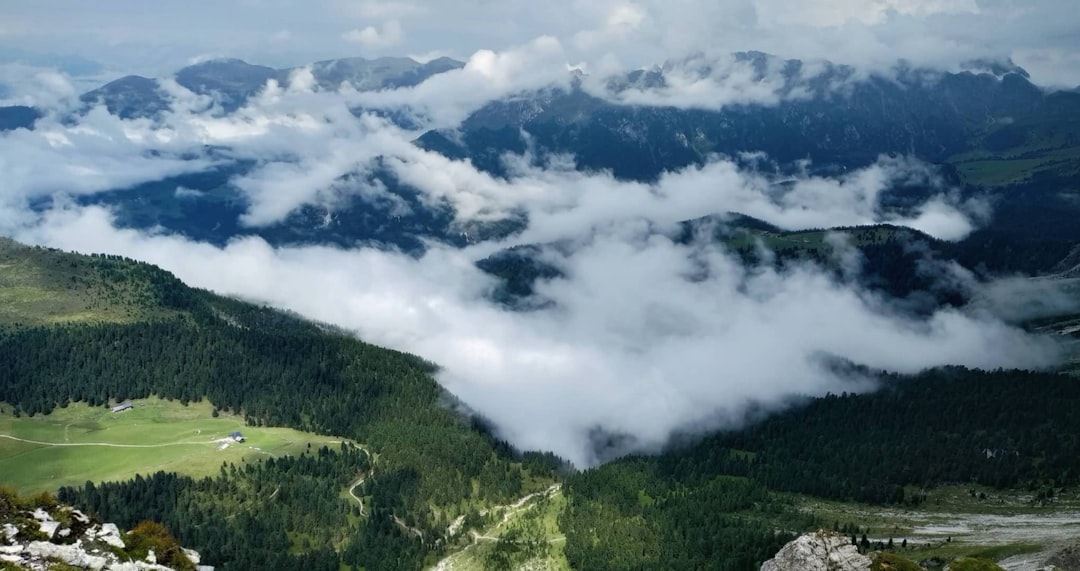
79,443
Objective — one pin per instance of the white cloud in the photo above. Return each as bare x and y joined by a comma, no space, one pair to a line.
35,86
646,335
448,98
784,13
638,33
390,34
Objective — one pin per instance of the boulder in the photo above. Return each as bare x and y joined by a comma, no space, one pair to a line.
73,555
819,551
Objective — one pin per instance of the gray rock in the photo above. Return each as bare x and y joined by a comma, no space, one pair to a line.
110,534
818,551
73,555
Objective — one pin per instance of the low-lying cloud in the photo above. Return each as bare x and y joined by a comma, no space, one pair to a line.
644,335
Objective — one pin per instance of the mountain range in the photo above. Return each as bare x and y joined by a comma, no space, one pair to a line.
410,477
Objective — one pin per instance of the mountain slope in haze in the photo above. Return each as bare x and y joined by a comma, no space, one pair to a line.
1000,140
231,82
18,117
178,343
129,97
907,266
830,116
377,74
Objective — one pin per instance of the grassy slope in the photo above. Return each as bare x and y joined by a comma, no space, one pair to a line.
1015,151
172,437
39,286
536,519
42,287
1016,165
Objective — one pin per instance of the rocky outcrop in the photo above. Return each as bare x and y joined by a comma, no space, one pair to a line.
819,551
41,538
1065,558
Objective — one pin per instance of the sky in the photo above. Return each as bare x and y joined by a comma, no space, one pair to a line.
646,335
133,36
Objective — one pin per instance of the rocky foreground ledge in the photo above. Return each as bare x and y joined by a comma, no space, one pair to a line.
830,551
40,534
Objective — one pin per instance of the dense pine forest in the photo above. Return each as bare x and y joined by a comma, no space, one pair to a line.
1002,429
632,515
434,465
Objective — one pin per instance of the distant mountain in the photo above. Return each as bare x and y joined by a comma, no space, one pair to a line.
829,116
997,136
231,82
206,206
130,97
382,73
18,117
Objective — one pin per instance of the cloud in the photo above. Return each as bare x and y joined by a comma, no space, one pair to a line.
390,34
638,33
645,335
35,86
100,152
448,98
379,9
782,13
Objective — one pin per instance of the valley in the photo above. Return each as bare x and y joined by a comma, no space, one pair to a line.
622,296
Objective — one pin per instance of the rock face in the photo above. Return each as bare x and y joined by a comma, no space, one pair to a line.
819,551
38,539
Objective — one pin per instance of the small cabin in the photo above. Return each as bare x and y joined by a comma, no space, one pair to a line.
126,405
237,436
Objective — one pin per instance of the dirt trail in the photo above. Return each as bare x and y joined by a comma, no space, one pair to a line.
360,481
447,563
353,485
106,443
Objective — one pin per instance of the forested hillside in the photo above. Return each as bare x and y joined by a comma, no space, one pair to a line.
717,503
184,344
1004,429
256,516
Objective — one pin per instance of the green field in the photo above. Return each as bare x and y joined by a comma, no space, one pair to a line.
1016,165
78,443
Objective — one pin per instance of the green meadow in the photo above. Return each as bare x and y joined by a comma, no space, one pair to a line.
78,443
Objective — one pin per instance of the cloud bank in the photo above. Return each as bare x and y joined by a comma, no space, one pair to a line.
645,334
130,37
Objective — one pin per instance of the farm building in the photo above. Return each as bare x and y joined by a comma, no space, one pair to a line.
237,437
126,405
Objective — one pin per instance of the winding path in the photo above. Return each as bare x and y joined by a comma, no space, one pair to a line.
447,563
353,485
359,481
9,437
